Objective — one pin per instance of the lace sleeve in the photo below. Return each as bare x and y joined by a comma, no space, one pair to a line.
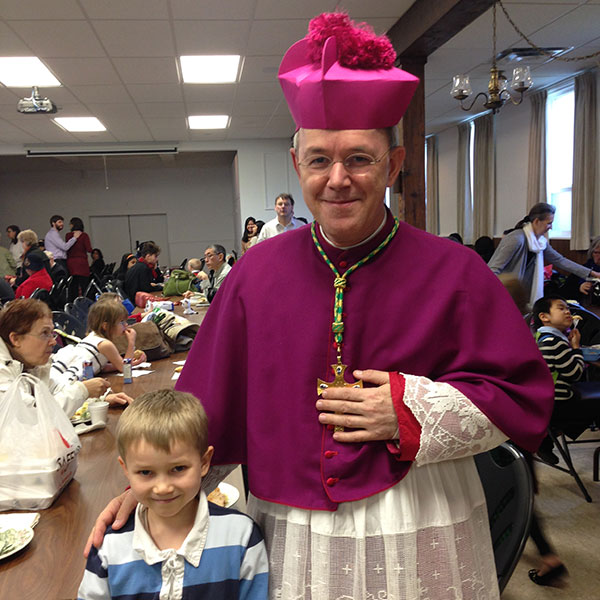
451,425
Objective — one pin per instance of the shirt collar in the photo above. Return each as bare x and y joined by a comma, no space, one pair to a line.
554,331
190,550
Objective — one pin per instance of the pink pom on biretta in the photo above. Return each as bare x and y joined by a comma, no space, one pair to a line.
342,76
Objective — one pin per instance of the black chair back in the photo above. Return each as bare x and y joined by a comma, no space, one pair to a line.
508,487
68,324
41,294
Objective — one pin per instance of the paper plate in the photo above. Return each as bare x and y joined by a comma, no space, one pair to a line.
19,538
230,491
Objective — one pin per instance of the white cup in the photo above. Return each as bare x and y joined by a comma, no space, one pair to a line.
98,412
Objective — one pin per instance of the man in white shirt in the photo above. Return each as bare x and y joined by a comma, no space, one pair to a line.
54,243
284,221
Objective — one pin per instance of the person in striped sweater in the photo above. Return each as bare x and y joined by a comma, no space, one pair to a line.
176,544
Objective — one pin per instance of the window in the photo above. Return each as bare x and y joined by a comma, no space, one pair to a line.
560,117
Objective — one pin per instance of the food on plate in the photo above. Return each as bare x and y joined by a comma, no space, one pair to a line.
178,369
217,497
137,354
82,413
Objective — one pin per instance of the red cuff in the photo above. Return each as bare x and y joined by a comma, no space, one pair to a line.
408,426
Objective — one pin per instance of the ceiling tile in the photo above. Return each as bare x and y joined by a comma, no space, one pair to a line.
24,9
168,129
114,110
357,9
130,9
164,92
147,70
8,96
11,44
136,38
129,128
83,71
10,134
211,37
96,137
249,108
258,91
274,37
197,135
567,31
280,127
209,93
260,69
101,93
307,9
209,108
59,38
162,109
223,9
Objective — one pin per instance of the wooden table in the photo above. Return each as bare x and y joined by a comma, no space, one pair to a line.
51,566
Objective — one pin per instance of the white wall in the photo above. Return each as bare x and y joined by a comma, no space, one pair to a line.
201,203
447,161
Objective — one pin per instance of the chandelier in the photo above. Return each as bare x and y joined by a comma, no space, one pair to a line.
498,92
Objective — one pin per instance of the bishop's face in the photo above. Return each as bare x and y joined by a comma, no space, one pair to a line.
349,206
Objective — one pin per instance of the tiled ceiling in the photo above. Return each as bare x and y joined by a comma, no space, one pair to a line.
117,61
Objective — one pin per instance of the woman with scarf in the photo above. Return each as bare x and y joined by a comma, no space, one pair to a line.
525,249
144,276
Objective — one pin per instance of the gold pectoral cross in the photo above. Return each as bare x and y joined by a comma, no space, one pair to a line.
338,381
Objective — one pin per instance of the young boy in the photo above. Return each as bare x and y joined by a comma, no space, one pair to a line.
176,545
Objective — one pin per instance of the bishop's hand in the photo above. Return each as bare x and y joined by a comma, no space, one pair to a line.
368,412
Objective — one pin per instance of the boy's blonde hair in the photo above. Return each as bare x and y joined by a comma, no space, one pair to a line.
110,296
103,316
194,264
161,418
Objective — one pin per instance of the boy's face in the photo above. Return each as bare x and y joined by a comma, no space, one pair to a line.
559,316
165,482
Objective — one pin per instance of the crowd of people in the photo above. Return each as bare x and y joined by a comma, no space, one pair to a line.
389,412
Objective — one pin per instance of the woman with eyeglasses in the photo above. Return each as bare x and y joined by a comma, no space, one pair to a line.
26,342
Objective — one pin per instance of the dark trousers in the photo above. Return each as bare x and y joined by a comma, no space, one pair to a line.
77,287
63,263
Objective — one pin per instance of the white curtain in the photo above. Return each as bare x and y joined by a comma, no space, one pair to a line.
464,207
484,201
432,186
585,151
536,174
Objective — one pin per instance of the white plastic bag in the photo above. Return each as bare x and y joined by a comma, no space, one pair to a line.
38,446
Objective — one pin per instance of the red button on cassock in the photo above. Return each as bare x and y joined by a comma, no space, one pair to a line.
330,453
330,427
332,481
343,264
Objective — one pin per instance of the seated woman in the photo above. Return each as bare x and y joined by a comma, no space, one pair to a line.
97,266
144,276
26,341
127,261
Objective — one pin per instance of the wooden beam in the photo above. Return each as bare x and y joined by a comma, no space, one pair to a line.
413,133
429,24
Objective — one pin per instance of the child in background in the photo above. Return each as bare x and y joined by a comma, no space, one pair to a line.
176,544
106,321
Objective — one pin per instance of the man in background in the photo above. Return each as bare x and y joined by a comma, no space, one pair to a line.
54,243
284,221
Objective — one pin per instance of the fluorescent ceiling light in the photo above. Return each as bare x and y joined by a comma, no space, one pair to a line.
25,71
210,69
80,123
208,122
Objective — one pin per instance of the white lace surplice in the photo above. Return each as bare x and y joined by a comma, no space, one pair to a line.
426,538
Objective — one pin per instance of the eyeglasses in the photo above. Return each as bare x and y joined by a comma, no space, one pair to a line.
209,255
45,335
355,163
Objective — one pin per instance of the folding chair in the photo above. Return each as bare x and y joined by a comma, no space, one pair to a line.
41,294
508,487
68,324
